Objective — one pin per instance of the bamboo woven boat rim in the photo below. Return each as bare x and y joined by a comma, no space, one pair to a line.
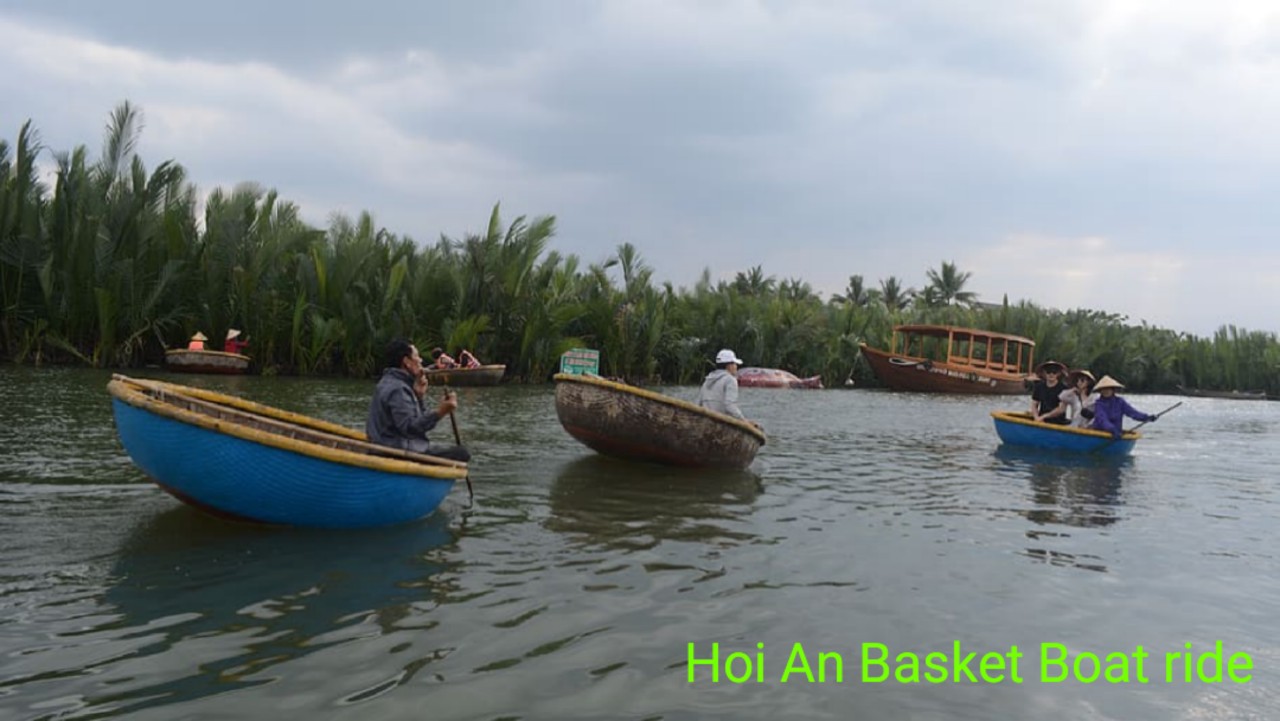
1024,419
316,433
191,351
664,399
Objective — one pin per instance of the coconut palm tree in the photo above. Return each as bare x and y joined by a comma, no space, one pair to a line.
893,295
754,283
855,293
946,287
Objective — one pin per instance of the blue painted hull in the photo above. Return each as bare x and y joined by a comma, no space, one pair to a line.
1018,429
241,478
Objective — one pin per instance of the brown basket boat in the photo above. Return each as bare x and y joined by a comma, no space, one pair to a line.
489,375
184,360
628,422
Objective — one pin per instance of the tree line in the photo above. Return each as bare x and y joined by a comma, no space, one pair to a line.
109,263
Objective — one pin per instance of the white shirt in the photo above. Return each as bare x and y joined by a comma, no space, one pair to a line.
1075,405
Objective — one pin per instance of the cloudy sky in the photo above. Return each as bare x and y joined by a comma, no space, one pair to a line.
1121,155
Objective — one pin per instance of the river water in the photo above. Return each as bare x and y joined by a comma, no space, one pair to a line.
577,587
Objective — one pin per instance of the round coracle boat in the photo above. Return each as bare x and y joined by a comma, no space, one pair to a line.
238,459
621,420
183,360
1017,428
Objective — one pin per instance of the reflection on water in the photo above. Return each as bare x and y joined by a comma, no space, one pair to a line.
1070,489
573,587
263,596
630,506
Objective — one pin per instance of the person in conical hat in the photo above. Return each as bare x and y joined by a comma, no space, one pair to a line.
1046,392
233,344
197,341
1110,409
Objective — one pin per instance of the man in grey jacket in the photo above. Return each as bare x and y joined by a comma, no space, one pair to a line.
397,417
720,389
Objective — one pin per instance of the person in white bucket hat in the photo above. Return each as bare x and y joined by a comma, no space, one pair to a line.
720,389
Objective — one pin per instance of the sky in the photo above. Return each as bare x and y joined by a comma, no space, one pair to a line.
1118,155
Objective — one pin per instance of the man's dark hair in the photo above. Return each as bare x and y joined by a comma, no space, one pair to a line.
436,352
397,350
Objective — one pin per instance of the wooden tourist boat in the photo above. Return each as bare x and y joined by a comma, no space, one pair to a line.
1017,428
247,461
184,360
949,359
774,378
490,375
1231,395
628,422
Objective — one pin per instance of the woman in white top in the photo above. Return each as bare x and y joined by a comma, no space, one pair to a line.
1078,398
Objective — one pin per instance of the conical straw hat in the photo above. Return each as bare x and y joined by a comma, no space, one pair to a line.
1108,382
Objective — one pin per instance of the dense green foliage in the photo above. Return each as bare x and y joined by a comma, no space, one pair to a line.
113,264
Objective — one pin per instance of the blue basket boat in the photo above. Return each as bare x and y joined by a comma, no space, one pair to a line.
243,460
1017,428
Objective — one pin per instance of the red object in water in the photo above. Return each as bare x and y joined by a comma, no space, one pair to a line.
774,378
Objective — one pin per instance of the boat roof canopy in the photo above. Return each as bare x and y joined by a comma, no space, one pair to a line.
943,331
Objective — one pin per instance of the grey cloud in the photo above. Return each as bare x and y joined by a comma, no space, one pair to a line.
824,139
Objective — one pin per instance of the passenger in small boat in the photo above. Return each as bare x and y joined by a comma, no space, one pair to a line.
1110,409
397,417
233,344
1076,402
442,360
197,341
1046,392
719,391
467,360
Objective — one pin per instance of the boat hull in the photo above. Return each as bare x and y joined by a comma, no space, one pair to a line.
906,373
1228,395
775,378
490,375
635,424
182,360
233,471
1018,429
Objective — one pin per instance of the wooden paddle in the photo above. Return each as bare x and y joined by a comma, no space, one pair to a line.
457,439
1113,440
1175,405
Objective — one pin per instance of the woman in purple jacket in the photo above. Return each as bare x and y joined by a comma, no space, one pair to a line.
1110,409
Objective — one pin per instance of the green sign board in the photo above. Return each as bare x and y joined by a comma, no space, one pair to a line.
580,361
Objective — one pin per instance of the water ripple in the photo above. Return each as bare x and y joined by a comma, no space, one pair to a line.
575,584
